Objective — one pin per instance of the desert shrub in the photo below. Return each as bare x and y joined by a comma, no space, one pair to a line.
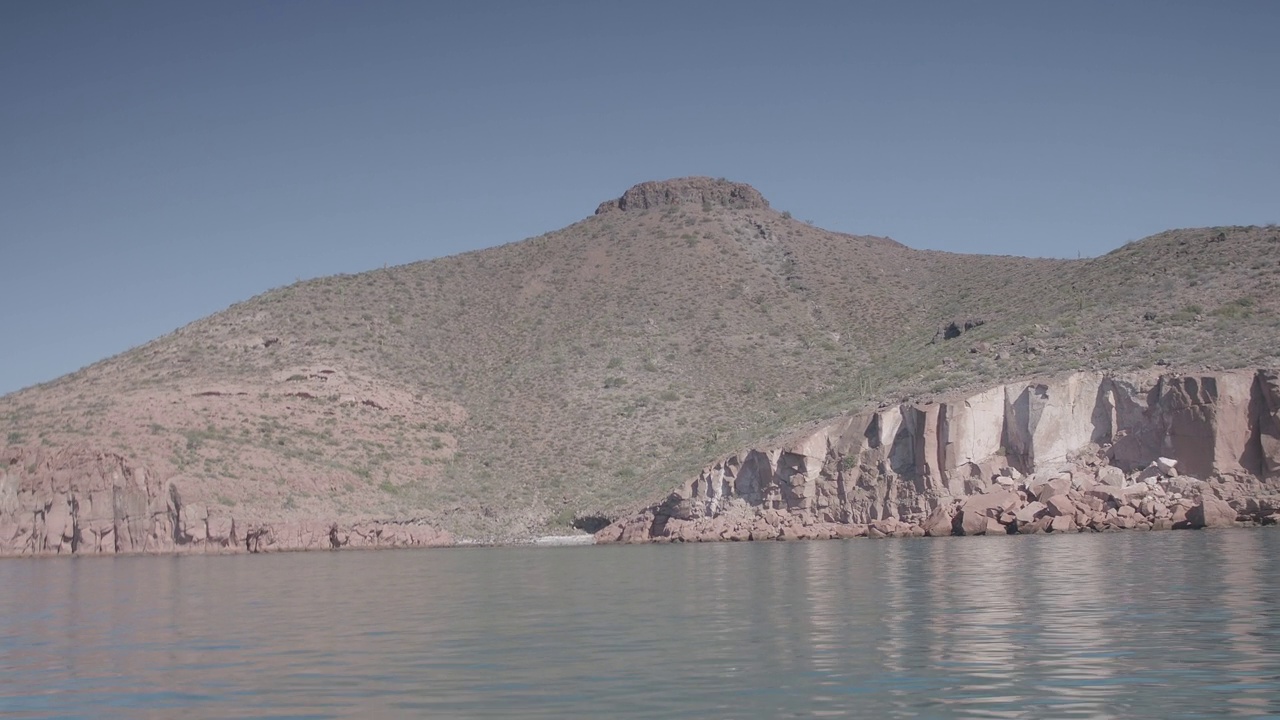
1236,309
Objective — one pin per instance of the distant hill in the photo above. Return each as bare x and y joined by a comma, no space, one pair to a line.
570,377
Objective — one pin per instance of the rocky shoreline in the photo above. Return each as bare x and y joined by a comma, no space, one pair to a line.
1064,504
1083,451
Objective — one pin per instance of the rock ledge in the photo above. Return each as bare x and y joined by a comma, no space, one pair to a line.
678,191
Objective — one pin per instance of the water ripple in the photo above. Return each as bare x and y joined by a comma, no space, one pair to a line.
1169,625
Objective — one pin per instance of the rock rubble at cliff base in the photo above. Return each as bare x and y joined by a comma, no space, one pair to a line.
1082,452
1065,504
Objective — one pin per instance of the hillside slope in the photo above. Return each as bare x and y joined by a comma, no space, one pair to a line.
580,373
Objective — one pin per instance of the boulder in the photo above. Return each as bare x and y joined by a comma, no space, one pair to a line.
847,531
1057,486
973,522
891,527
1152,472
1060,506
1037,526
992,504
1063,523
1111,475
1211,512
1030,512
1105,494
939,523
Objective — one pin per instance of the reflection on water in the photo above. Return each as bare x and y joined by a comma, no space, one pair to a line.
1139,624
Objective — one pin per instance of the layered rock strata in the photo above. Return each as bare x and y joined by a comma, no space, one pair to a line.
1082,451
87,503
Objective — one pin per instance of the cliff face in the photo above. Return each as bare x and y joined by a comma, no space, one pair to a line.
85,502
920,464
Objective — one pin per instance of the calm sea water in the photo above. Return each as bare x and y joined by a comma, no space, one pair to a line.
1164,625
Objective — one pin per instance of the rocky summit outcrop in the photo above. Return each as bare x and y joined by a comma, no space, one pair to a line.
692,190
83,502
1082,451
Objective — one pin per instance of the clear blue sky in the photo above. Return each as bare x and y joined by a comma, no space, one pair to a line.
160,161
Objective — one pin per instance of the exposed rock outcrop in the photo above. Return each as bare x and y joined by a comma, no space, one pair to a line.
1082,451
86,502
956,328
694,190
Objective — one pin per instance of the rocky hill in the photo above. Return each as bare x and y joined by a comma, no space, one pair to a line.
568,379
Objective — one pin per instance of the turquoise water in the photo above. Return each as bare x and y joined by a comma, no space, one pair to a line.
1162,625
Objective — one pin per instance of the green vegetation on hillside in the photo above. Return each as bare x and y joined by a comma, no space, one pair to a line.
585,371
